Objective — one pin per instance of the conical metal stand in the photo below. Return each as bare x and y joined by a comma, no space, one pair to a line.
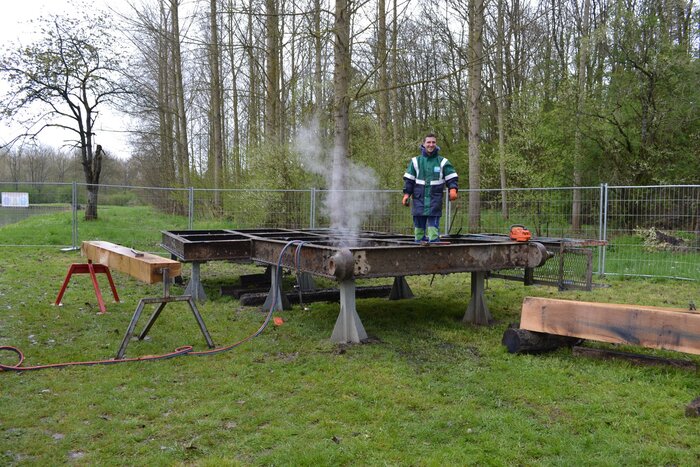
162,301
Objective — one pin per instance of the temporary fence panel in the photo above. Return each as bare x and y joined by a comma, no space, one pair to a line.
49,211
373,210
546,212
133,216
243,209
653,231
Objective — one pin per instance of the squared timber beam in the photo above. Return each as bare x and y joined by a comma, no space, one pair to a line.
145,267
646,326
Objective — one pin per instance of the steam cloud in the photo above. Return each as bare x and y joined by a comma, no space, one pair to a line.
350,200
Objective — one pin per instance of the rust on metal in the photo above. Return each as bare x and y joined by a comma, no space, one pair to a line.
341,256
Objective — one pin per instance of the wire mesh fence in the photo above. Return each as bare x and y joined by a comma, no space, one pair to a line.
651,231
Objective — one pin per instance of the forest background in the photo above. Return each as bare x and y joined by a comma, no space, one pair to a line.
271,93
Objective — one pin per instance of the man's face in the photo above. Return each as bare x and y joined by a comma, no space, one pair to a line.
429,144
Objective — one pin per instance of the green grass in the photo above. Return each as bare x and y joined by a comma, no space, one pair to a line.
627,255
136,226
427,391
140,227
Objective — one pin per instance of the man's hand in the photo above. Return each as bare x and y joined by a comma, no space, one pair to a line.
406,200
453,194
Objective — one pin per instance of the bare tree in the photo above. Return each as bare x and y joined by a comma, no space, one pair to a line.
70,71
38,163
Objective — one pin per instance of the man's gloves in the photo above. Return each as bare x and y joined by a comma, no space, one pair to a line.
453,194
405,200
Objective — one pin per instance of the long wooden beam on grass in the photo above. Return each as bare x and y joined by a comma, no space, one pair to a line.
646,326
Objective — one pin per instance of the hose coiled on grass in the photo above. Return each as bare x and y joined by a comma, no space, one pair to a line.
179,352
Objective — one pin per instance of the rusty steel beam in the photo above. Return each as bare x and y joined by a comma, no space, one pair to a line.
207,245
393,261
445,259
370,254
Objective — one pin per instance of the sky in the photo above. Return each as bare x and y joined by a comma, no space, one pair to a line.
14,27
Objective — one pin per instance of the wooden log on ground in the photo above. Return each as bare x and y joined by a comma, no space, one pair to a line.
639,359
523,341
249,280
652,327
320,295
237,292
145,267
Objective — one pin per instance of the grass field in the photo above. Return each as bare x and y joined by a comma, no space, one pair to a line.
426,391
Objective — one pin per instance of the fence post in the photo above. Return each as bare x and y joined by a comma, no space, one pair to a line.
312,213
190,208
603,227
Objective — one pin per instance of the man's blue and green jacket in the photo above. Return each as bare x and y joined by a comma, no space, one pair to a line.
425,180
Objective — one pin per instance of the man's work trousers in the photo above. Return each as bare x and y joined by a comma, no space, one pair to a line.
426,228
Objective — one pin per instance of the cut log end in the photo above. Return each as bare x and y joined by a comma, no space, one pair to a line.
523,341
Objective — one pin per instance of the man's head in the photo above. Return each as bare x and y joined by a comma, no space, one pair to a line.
430,143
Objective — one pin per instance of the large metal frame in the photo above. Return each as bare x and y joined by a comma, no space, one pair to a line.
346,257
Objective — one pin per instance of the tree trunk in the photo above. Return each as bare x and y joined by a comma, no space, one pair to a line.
341,78
318,71
92,167
500,108
216,113
341,109
181,143
476,22
396,116
165,113
272,73
236,143
253,108
382,84
583,59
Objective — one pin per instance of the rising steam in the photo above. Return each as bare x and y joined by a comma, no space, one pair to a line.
349,201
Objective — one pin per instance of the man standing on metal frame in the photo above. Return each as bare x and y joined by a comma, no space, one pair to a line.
425,180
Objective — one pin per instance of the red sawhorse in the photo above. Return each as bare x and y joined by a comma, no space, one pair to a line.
92,269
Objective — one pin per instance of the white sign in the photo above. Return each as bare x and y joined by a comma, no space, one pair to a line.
15,200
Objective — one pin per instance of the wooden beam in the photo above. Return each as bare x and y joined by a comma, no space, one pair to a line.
145,267
646,326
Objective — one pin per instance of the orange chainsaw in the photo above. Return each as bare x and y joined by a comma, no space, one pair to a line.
519,233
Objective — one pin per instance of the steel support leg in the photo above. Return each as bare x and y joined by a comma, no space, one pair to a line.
400,289
348,327
276,294
130,329
194,286
162,302
477,311
306,281
152,320
200,322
